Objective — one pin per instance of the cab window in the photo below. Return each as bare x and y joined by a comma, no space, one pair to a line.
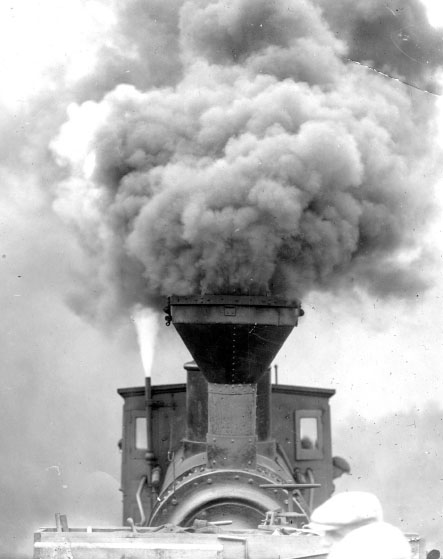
308,435
141,442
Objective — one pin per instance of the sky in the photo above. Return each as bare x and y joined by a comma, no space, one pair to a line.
68,339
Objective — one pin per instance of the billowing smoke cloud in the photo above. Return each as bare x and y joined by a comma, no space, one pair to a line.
394,37
271,166
142,50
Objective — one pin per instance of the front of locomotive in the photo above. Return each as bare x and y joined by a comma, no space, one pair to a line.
235,471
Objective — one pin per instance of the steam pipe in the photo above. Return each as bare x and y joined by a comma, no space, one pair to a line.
139,500
150,456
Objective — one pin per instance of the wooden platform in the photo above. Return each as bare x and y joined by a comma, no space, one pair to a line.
115,543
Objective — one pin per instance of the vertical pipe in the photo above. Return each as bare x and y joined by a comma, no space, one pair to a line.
58,524
150,456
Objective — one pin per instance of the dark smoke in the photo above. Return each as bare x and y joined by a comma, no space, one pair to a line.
271,166
394,37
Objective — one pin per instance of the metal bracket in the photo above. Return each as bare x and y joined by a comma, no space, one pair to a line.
238,539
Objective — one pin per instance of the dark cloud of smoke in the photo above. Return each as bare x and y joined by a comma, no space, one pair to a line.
392,36
400,462
272,165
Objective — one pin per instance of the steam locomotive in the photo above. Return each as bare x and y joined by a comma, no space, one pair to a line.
227,445
226,448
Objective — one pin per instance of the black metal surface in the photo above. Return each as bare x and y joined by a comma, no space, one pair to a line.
243,300
233,339
196,404
263,428
233,353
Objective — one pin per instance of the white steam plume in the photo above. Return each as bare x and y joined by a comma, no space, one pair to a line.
146,325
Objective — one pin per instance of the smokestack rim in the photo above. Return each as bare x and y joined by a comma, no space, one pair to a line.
240,300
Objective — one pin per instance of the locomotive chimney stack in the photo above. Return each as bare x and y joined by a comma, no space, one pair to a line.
233,340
